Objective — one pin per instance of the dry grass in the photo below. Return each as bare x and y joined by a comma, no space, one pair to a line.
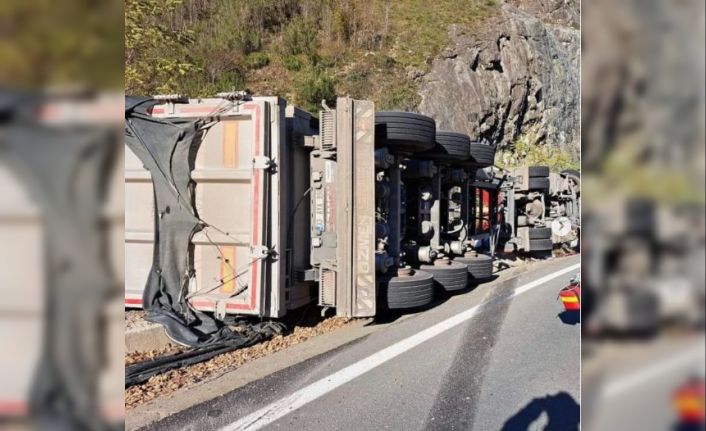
366,48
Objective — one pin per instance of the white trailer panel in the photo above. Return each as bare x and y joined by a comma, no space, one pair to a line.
243,173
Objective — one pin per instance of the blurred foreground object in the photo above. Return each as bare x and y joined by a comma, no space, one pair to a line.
643,160
643,214
643,266
59,276
689,403
61,43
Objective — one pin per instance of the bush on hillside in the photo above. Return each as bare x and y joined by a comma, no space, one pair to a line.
257,60
292,63
526,151
313,86
299,37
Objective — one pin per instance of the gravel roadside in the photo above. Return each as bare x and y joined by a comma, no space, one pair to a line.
169,382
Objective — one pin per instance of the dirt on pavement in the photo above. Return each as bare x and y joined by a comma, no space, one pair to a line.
164,384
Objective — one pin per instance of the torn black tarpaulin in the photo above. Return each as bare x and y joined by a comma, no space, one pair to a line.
168,148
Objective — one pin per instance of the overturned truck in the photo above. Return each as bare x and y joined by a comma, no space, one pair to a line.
533,209
239,205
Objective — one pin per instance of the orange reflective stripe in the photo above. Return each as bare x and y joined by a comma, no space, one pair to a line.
227,266
230,144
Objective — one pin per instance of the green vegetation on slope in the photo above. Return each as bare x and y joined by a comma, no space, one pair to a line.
526,152
303,50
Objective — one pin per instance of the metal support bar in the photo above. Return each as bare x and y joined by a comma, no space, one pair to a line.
511,210
436,210
395,210
465,203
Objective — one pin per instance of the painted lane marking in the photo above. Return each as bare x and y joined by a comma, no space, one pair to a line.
302,397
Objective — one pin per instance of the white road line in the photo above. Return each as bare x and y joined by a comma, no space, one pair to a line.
694,356
300,398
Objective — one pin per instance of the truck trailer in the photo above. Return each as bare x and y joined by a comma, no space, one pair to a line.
356,210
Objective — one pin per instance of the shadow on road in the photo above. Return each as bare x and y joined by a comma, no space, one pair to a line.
570,317
689,427
562,414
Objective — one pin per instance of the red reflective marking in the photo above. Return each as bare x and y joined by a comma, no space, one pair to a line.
194,109
256,211
256,207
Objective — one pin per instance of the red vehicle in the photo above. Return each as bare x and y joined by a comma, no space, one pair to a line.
571,295
689,402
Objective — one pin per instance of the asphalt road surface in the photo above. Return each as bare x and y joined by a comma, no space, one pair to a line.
489,359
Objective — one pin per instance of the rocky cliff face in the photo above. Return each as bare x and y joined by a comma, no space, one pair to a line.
518,75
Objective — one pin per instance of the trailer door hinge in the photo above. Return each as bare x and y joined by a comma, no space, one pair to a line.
234,95
220,310
263,162
259,252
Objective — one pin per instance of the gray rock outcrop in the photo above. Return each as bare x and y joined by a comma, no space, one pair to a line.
516,75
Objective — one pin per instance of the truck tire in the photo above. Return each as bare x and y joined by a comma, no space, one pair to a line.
450,277
482,155
538,171
404,131
540,244
409,291
540,232
450,146
480,268
537,183
571,172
